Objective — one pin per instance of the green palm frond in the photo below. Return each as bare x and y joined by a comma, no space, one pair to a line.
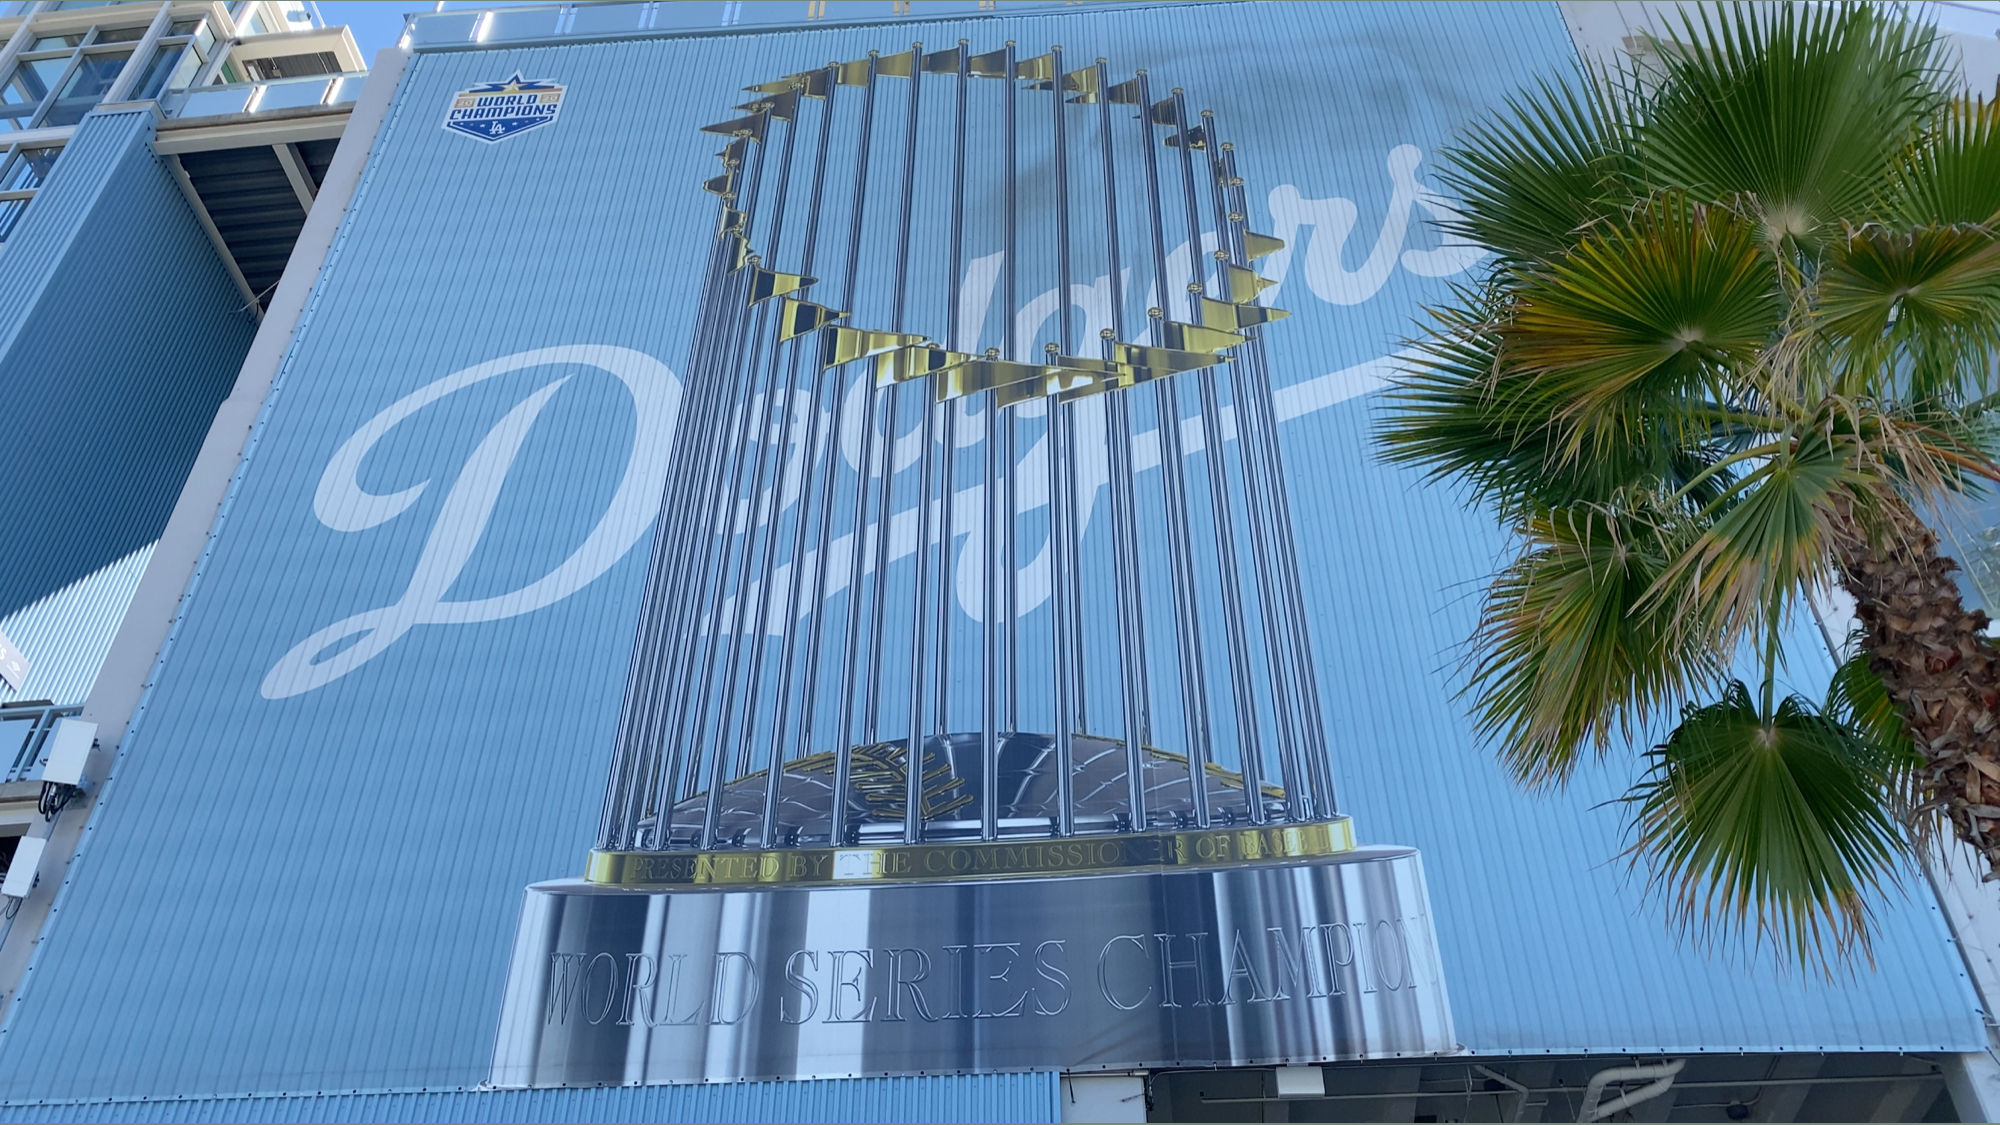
1568,654
1770,539
1642,316
1775,822
1797,109
1453,410
1954,176
1918,308
1556,161
1857,698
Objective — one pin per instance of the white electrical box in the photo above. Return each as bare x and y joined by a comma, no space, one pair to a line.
21,873
67,749
1301,1082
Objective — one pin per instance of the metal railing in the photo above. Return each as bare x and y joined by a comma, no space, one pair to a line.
475,27
269,96
24,734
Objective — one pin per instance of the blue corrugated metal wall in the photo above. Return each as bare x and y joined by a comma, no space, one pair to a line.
68,633
120,333
972,1097
339,914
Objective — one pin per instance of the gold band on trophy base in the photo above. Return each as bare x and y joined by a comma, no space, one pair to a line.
1077,855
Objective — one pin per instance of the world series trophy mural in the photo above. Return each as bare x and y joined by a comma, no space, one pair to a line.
920,767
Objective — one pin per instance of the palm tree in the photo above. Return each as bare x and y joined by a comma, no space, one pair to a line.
1737,332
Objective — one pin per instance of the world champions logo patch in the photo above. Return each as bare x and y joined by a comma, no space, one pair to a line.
495,111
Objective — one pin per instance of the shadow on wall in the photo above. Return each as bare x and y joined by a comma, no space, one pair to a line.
126,337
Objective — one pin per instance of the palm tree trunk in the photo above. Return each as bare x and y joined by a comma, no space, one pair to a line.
1939,667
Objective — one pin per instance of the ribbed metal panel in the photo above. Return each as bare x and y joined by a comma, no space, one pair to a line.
120,333
318,892
67,633
972,1097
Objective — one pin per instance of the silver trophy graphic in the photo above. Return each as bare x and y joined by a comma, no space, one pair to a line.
971,720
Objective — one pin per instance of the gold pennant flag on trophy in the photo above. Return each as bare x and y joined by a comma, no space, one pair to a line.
1104,384
783,106
1243,283
1260,245
899,65
732,153
1124,93
1063,380
1197,138
1041,68
723,185
751,127
1229,317
945,61
987,373
1084,84
906,364
1197,338
815,83
851,73
731,221
797,317
992,64
1162,361
788,82
845,345
1081,82
765,284
1164,113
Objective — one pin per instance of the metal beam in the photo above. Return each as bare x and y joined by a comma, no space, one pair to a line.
141,56
214,236
1777,1102
1902,1099
247,130
297,172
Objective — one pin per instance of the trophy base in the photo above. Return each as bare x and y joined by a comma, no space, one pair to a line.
1283,961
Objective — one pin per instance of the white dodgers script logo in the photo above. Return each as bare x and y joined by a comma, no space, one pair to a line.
343,505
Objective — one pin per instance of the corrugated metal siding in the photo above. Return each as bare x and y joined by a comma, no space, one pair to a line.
320,892
120,333
67,633
972,1097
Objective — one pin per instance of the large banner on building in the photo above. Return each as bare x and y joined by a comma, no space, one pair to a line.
804,554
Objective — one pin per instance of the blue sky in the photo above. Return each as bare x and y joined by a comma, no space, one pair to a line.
378,23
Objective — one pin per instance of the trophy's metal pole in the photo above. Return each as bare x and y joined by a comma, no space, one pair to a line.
715,511
763,504
913,763
1319,768
831,472
957,333
632,752
1254,445
663,788
782,699
879,582
733,585
1180,550
1125,544
1010,294
989,583
1062,495
843,757
659,663
1008,515
1248,753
